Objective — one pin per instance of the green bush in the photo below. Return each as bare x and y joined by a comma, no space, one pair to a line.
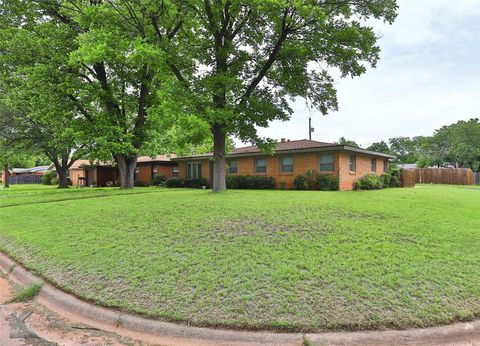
369,182
180,182
312,180
250,182
159,180
175,182
195,183
392,177
305,181
48,178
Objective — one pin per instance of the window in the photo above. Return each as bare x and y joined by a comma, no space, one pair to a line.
327,163
352,163
373,165
286,164
261,166
194,170
175,171
385,165
232,167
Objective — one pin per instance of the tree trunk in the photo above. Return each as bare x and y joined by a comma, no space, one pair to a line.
6,183
62,172
126,166
62,177
219,180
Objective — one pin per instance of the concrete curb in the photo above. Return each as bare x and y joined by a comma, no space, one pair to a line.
166,333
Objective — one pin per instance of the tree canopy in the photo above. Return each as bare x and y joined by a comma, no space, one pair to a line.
380,147
406,149
350,143
456,145
139,72
252,57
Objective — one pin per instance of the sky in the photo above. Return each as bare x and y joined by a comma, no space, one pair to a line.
428,76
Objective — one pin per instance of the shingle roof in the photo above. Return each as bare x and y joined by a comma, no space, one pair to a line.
159,158
286,145
156,158
292,146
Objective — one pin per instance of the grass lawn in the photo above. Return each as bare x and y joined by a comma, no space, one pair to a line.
286,260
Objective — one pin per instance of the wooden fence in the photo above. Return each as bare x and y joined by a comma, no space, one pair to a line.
454,176
25,179
476,178
407,178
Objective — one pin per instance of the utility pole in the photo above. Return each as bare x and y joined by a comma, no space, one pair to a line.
310,128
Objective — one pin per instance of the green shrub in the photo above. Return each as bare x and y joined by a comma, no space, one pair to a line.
305,181
312,180
180,182
327,182
195,183
159,180
369,182
48,178
175,182
392,178
250,182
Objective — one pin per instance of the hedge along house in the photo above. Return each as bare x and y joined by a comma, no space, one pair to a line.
85,173
291,158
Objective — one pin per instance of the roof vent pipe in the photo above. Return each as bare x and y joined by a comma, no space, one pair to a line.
283,140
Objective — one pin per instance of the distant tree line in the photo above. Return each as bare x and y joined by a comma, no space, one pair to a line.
456,145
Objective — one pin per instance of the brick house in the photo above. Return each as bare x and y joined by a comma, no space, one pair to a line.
290,159
83,173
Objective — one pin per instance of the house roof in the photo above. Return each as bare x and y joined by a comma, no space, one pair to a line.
141,159
286,145
30,170
302,145
158,158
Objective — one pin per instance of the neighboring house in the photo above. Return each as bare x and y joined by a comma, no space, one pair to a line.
38,170
85,173
290,159
31,175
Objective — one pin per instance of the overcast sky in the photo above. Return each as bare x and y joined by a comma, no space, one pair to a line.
428,76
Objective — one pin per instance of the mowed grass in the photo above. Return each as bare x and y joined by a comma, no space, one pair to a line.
31,194
284,260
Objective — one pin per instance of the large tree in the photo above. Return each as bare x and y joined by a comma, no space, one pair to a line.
380,147
111,72
406,149
251,57
36,113
349,142
456,145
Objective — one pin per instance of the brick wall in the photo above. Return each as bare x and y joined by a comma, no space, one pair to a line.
145,171
144,174
363,167
302,162
182,169
74,174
